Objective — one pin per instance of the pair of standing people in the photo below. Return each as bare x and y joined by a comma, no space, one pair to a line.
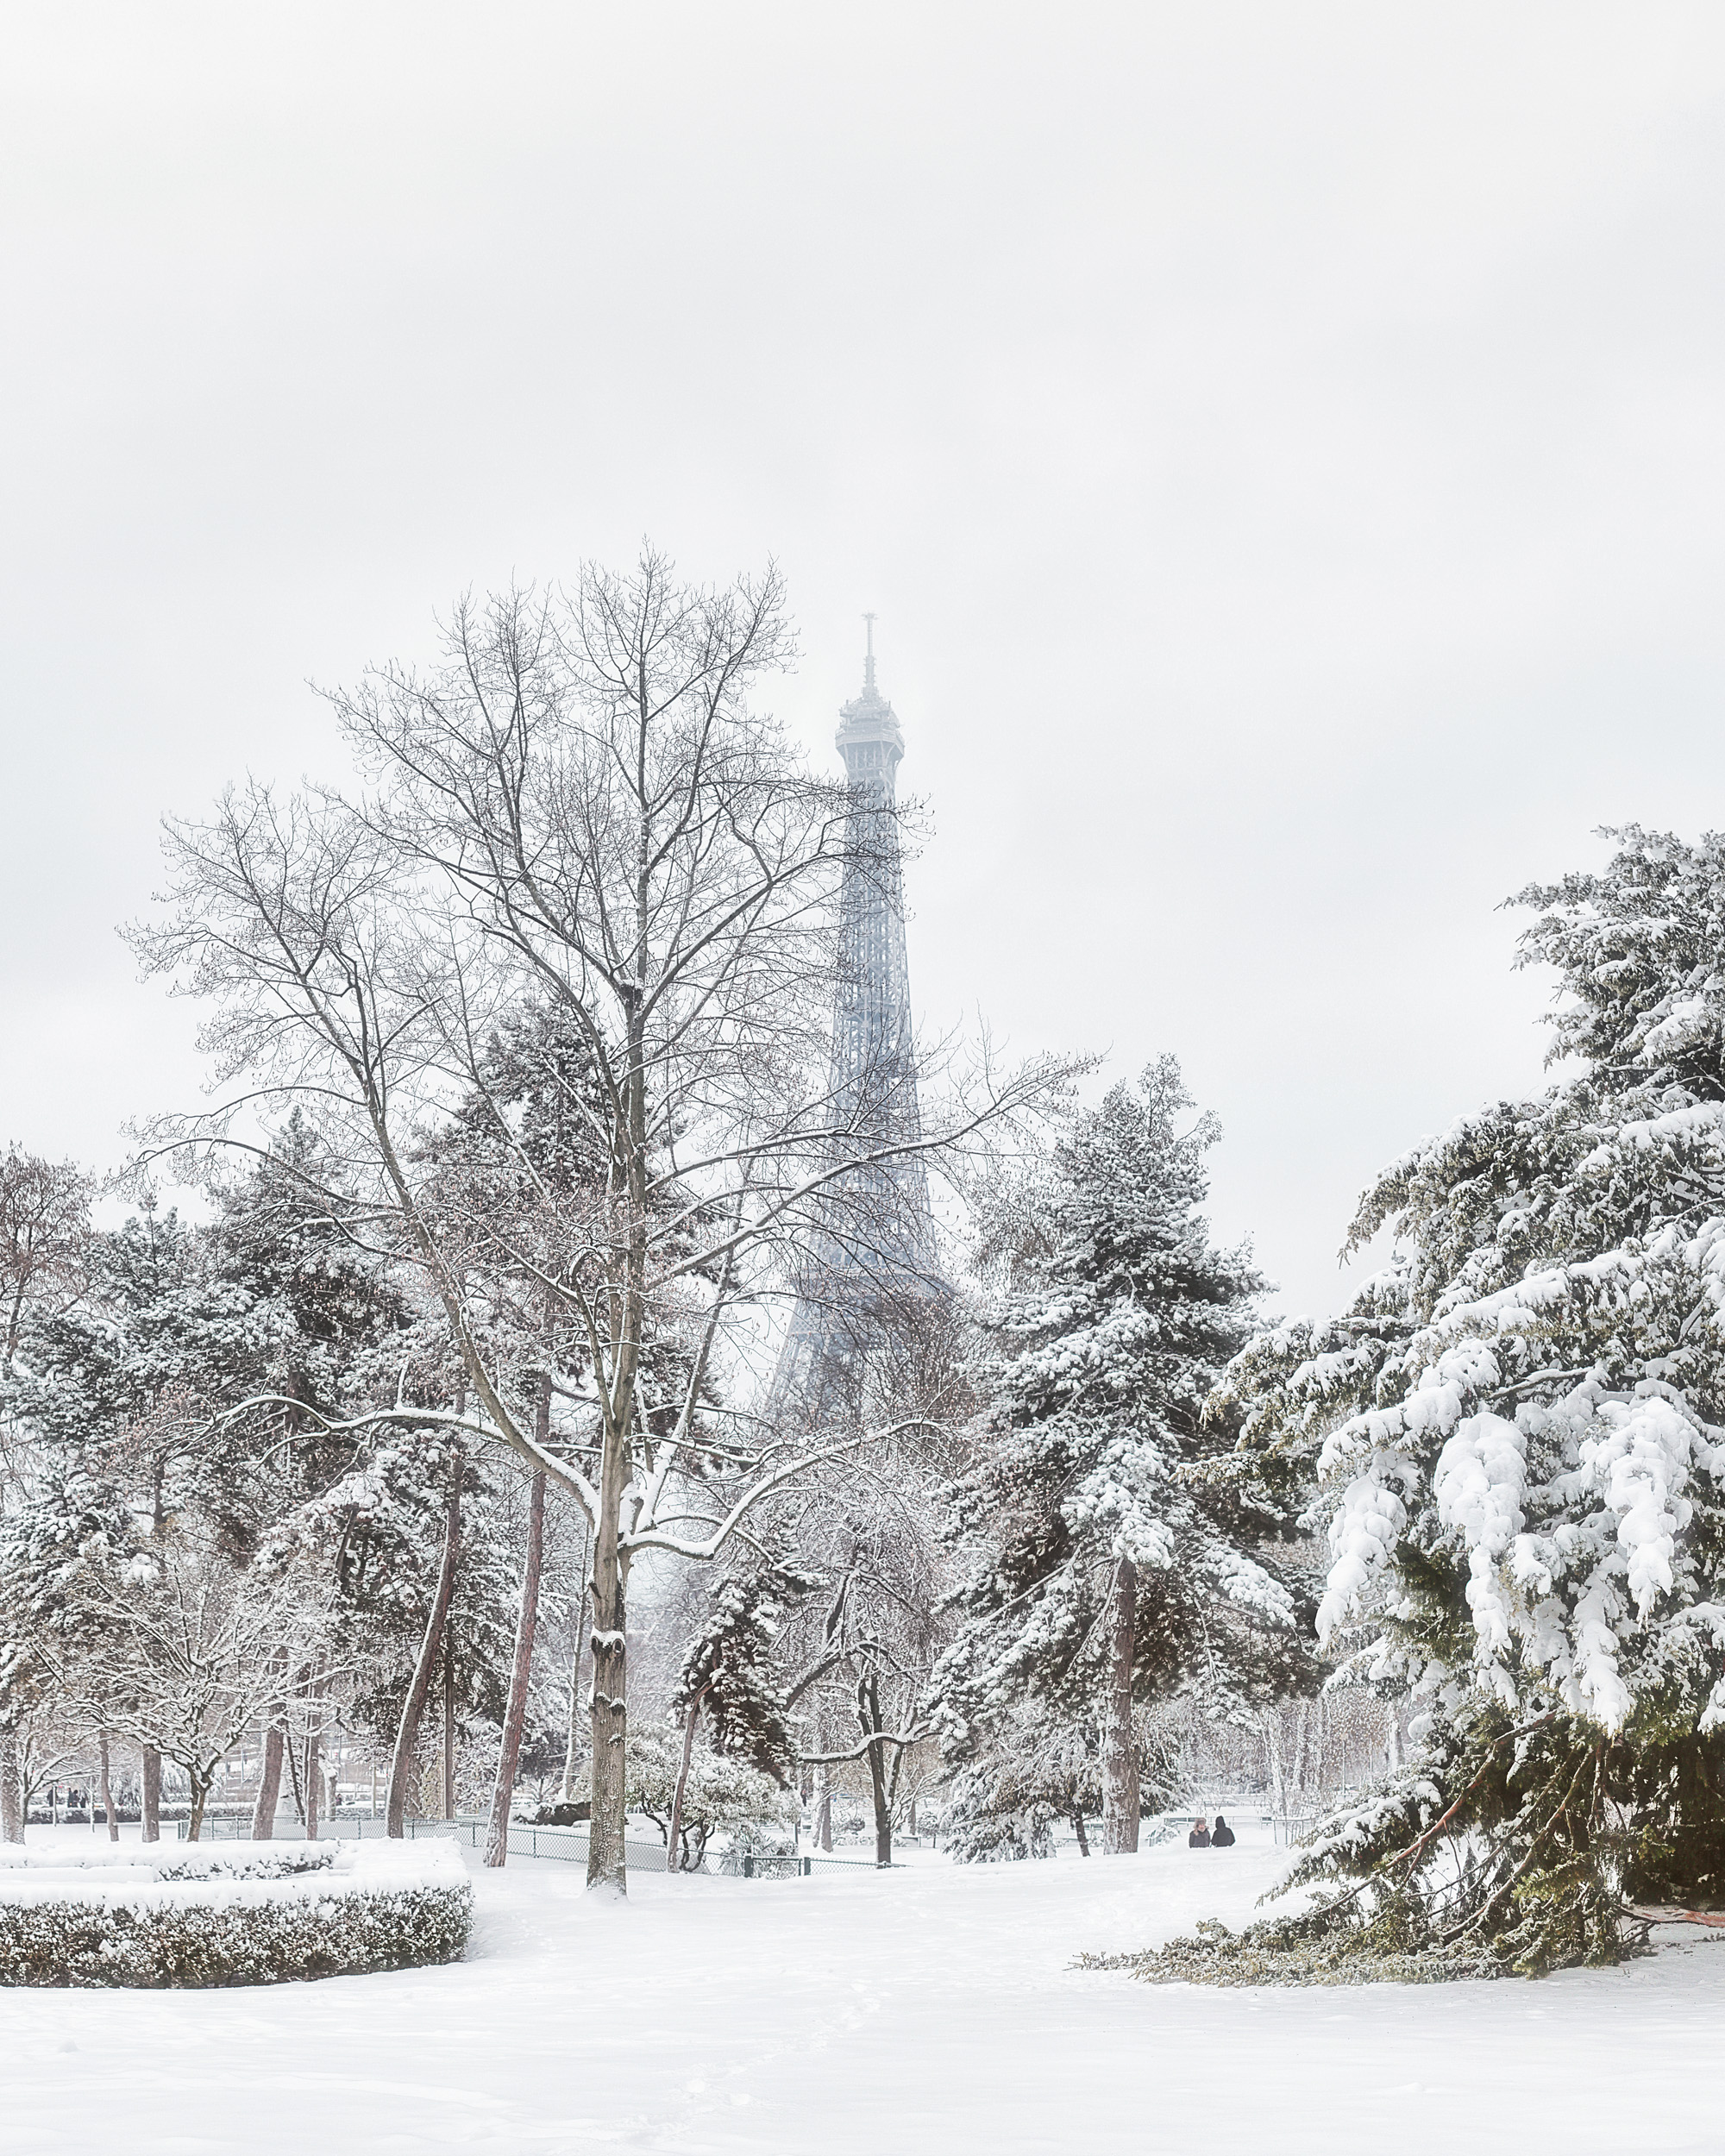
1203,1836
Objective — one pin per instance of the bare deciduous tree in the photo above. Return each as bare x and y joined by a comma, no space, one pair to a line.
579,809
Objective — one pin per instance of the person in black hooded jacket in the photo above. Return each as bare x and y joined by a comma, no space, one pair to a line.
1221,1834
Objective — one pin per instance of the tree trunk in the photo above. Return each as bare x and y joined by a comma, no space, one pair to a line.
1120,1765
515,1714
606,1860
448,1792
1078,1829
673,1836
823,1808
150,1793
868,1714
11,1787
572,1749
314,1775
407,1736
269,1783
606,1864
200,1793
105,1786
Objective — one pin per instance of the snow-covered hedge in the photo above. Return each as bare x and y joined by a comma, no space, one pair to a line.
233,1913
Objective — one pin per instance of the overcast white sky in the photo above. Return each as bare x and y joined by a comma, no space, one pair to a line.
1284,446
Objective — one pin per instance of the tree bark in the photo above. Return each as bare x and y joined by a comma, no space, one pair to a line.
823,1808
572,1749
515,1714
11,1787
314,1775
606,1864
150,1793
1119,1763
1078,1828
269,1783
200,1797
407,1736
868,1714
447,1793
674,1835
606,1859
105,1786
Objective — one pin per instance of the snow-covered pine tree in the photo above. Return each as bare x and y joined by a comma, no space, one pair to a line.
727,1675
1101,1571
1516,1431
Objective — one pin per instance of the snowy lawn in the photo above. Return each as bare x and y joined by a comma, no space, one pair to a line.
930,2009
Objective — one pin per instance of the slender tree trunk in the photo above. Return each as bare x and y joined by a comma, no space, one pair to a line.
150,1793
515,1714
199,1785
1078,1828
1272,1746
11,1787
674,1837
105,1786
314,1775
572,1750
1120,1765
269,1782
447,1791
823,1808
407,1736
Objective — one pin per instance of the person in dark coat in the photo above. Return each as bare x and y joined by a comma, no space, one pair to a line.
1200,1836
1222,1835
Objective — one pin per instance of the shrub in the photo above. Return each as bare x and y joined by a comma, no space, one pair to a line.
253,1914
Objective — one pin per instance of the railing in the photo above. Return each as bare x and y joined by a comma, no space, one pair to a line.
565,1845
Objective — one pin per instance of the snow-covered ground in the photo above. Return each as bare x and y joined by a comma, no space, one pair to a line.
931,2009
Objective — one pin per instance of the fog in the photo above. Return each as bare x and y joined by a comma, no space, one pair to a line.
1282,447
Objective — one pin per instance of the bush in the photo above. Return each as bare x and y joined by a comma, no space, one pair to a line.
253,1914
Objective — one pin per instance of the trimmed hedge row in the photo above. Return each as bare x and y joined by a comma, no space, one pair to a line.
77,1935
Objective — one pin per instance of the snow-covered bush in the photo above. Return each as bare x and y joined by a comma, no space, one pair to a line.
244,1913
1517,1437
725,1797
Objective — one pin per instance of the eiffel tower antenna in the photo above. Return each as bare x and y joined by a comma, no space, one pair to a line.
869,662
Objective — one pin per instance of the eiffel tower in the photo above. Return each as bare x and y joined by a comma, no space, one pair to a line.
873,1250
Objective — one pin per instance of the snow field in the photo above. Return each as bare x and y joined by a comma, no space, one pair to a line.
931,2010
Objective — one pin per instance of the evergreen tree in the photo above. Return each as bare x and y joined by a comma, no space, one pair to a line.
1516,1435
1103,1568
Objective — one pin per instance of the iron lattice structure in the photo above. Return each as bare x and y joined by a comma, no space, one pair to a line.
873,1252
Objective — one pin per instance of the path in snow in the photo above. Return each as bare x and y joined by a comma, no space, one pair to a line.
929,2011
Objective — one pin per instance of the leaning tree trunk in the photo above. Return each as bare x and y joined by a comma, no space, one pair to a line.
673,1836
515,1714
105,1786
11,1787
150,1793
1119,1763
269,1782
407,1736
